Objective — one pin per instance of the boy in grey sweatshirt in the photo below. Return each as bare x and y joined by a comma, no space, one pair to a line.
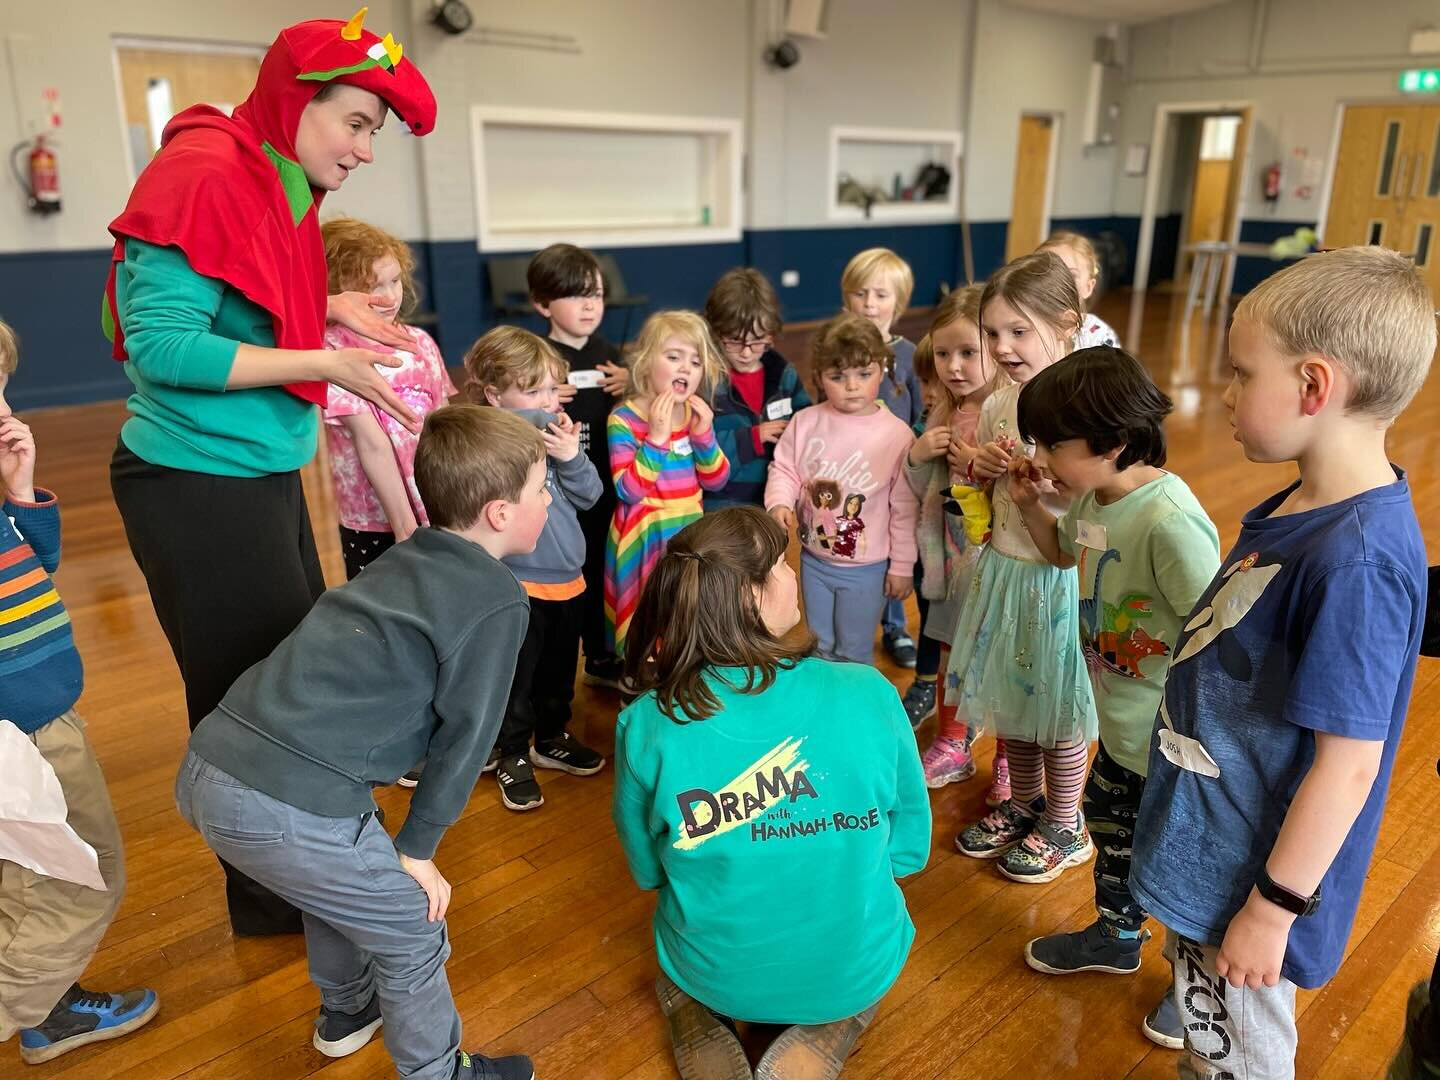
410,660
516,370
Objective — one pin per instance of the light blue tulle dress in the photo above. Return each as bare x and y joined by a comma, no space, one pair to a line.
1016,665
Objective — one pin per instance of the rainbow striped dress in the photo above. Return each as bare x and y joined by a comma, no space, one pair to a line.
658,494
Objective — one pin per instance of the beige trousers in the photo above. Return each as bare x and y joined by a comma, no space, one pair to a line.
49,929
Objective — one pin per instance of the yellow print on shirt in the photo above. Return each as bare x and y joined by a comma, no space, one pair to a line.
777,777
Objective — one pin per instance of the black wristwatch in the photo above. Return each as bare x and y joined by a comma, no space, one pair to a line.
1292,902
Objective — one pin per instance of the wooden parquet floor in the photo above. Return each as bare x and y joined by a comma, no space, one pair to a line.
552,947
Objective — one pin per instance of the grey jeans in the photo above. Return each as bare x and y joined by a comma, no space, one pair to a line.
1230,1034
366,926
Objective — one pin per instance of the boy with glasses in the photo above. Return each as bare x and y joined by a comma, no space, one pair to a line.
760,391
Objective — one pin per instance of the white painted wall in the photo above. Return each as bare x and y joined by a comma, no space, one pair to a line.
896,66
1033,61
672,57
1315,54
68,46
905,66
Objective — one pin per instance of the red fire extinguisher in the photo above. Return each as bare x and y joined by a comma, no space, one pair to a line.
41,178
1272,183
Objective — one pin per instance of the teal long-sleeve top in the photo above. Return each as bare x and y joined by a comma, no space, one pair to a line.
182,331
774,832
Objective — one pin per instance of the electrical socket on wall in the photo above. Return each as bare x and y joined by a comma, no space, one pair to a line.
789,278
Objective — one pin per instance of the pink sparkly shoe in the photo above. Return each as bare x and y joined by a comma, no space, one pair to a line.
1000,786
948,761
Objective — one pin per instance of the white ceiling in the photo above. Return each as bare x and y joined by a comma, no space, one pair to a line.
1122,11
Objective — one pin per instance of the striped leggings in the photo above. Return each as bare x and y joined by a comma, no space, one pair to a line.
1057,772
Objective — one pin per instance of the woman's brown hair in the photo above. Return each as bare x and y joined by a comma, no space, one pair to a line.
699,612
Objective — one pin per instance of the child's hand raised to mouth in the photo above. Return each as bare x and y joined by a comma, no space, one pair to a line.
702,417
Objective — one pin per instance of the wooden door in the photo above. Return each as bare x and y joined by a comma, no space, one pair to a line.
1207,202
1031,200
1419,230
222,78
1375,171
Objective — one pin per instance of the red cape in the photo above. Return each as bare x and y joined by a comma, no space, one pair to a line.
214,192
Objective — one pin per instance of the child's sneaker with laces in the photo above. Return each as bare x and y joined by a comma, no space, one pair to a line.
568,754
997,832
82,1017
919,701
999,790
1047,852
1096,948
948,761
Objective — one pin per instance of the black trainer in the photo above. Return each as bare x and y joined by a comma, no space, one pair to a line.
519,789
480,1067
340,1034
568,754
1091,949
82,1017
606,671
492,762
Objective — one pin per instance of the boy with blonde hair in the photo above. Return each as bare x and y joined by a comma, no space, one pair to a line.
877,284
513,369
1287,693
411,660
49,928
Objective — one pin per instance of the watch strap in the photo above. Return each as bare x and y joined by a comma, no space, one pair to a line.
1285,898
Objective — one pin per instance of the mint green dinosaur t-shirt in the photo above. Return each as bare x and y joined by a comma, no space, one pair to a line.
1143,562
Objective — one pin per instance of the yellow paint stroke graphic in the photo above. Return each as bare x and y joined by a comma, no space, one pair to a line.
786,757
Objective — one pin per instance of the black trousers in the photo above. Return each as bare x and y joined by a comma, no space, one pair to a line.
231,566
595,524
544,684
360,549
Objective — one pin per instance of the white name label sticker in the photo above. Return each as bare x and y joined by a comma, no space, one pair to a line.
586,380
778,410
680,445
1090,535
1187,753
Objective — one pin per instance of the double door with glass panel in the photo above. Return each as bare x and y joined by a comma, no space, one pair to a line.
1387,183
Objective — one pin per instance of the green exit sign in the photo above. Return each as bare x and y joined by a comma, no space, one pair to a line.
1420,81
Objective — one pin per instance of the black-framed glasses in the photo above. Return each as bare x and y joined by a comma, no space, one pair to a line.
754,345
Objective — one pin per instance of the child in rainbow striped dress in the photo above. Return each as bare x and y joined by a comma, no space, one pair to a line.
662,453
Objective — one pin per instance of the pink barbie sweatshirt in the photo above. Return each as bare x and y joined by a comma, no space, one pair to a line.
844,476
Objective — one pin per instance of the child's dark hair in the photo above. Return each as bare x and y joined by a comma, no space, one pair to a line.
848,341
741,303
698,612
1101,395
562,271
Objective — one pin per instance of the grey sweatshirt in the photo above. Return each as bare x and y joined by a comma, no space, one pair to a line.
412,660
559,555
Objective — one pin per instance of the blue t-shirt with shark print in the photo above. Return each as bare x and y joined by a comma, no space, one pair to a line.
1311,625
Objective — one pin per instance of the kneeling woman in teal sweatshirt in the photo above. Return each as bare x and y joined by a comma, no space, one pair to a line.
772,798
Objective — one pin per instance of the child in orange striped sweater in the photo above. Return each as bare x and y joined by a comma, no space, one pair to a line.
662,453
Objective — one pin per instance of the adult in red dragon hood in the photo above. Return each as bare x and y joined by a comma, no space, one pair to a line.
217,305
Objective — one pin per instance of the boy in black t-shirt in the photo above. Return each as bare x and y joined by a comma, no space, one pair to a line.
568,288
